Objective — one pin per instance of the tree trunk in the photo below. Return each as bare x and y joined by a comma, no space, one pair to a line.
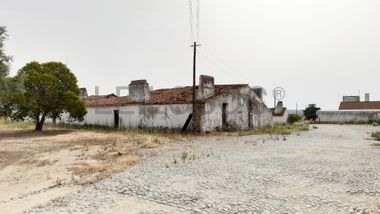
39,127
40,124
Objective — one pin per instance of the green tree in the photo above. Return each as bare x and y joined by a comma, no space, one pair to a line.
4,59
44,91
310,112
4,69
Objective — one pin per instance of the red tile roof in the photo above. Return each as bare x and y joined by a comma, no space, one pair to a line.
139,82
182,95
373,105
278,114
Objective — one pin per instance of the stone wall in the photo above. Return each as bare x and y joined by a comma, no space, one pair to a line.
244,110
348,116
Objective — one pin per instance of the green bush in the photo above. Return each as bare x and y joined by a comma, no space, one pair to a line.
376,136
293,118
376,124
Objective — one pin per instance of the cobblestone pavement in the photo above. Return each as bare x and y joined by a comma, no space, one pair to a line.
330,169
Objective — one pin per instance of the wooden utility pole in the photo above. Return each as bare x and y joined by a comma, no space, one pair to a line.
194,73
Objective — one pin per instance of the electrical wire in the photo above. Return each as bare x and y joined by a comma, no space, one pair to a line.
191,21
218,65
198,20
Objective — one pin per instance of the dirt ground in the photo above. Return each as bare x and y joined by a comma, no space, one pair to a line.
35,168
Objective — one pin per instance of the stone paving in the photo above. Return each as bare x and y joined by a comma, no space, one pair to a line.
330,169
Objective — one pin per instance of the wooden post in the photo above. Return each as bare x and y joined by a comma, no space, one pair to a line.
194,77
194,74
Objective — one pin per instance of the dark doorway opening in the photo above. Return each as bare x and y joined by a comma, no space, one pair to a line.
116,118
224,116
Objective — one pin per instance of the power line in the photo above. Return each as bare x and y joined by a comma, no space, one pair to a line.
191,21
218,65
225,65
198,19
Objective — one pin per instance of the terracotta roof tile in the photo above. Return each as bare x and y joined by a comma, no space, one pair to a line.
139,82
278,114
373,105
182,95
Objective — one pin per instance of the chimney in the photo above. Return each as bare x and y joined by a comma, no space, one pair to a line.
206,87
139,91
367,97
83,93
351,99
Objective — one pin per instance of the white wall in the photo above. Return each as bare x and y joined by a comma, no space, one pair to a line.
237,113
348,116
281,119
134,116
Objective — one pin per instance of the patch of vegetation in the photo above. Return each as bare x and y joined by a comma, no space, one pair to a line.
376,135
376,124
169,133
293,118
353,122
15,125
184,156
277,130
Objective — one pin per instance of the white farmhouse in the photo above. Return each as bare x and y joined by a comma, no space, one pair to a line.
217,107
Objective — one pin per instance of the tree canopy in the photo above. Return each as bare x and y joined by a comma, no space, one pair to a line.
4,59
311,112
41,91
4,68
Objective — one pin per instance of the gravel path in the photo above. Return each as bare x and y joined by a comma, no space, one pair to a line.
331,169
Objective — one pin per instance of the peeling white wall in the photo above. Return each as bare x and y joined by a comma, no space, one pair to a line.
133,116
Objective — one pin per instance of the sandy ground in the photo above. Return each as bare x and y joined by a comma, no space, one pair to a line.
35,168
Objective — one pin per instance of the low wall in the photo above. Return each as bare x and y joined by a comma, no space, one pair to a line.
348,116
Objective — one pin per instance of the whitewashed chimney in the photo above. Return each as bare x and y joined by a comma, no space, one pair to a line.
206,87
139,91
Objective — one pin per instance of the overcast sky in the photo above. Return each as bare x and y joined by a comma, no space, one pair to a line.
317,50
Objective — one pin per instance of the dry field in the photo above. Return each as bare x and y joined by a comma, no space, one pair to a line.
35,168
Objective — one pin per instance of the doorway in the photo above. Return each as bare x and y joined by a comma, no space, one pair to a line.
224,115
116,119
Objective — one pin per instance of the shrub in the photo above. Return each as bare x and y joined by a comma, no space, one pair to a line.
311,112
376,136
376,124
293,118
276,130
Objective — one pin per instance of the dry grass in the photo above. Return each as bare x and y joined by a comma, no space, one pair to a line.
95,154
7,124
376,135
277,130
107,157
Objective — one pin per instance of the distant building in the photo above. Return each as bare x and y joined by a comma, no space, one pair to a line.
217,107
354,103
352,110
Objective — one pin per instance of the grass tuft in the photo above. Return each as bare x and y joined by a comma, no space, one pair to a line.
376,135
277,130
15,125
184,156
